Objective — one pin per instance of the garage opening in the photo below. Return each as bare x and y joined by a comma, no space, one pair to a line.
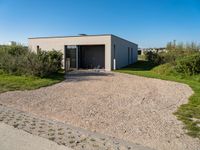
84,57
91,56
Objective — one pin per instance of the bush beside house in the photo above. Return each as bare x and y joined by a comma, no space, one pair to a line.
189,65
181,59
18,60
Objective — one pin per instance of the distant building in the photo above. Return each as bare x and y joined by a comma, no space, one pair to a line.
141,51
10,43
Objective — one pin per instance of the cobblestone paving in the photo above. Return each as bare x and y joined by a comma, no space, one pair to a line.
63,134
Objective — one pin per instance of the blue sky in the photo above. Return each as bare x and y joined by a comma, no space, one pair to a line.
150,23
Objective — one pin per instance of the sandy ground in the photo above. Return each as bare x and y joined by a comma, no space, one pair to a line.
13,139
132,108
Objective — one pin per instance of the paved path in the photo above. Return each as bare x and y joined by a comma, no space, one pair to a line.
60,133
14,139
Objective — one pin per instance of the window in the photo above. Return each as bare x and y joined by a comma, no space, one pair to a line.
128,55
71,55
131,55
38,48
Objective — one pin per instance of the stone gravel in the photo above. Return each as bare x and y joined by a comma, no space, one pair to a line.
62,134
132,108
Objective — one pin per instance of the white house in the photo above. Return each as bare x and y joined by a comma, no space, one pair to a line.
106,51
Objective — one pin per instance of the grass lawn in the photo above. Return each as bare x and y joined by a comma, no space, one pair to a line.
12,82
188,113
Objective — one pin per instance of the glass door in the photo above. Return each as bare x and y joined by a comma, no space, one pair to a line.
70,56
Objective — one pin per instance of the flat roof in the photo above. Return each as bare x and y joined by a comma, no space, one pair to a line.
79,36
69,36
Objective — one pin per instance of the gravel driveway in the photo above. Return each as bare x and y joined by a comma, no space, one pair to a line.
128,107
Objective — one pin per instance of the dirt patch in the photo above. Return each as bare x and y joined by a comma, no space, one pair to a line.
128,107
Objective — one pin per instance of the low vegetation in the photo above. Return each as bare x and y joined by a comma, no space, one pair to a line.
12,82
22,69
181,64
18,60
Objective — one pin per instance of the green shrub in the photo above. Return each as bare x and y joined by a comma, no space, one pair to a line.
172,55
178,51
169,57
12,64
12,58
18,60
179,59
17,50
153,58
164,69
189,65
44,63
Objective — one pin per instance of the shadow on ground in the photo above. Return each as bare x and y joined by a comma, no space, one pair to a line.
85,75
140,65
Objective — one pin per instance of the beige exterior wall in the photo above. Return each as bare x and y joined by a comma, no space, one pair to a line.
122,58
121,52
60,42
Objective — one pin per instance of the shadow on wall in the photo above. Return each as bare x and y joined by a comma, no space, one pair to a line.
86,75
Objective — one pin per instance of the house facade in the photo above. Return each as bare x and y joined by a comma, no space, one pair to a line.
107,51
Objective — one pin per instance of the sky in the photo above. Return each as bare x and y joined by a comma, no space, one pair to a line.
149,23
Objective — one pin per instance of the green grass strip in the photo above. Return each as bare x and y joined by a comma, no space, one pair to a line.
12,82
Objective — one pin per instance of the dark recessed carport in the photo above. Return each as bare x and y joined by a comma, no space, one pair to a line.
91,56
